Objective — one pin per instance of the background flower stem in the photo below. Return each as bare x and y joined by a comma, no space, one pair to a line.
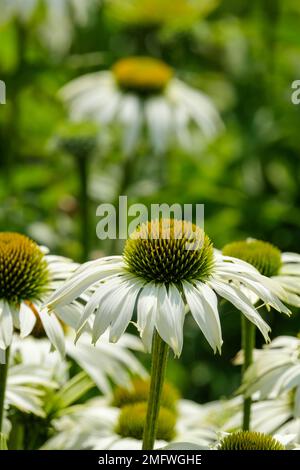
158,369
248,343
3,380
83,170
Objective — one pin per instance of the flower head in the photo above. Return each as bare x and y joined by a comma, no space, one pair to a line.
265,257
247,440
142,93
24,271
158,279
27,276
132,420
169,251
283,269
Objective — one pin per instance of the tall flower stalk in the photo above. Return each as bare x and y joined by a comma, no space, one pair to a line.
79,141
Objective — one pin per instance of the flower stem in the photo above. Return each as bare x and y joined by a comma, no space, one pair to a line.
248,343
3,380
83,163
158,369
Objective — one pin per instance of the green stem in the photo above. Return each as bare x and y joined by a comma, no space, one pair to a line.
82,164
3,380
126,179
158,369
248,343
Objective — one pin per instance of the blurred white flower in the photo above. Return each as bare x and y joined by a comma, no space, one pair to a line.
97,426
141,94
58,17
159,277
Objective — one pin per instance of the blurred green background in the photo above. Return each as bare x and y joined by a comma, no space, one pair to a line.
245,55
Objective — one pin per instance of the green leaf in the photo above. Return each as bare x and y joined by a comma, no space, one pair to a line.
72,391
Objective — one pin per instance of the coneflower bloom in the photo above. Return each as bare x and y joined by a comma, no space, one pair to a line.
142,93
28,275
158,276
282,268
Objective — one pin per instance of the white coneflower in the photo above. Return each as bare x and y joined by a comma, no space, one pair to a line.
28,275
282,268
166,266
283,271
140,93
119,423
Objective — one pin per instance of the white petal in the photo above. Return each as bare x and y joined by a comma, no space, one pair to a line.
203,305
240,301
6,325
170,317
53,330
124,315
27,320
146,314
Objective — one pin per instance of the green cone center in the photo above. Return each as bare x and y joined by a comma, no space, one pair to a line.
139,392
264,256
168,251
23,269
247,440
132,421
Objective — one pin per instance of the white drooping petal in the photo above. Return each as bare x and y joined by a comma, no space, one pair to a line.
27,320
53,330
290,258
159,118
170,317
6,325
202,302
112,300
123,317
146,313
130,116
240,301
81,280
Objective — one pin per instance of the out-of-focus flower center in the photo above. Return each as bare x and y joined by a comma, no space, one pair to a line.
142,75
246,440
266,258
168,251
78,139
23,269
139,392
132,420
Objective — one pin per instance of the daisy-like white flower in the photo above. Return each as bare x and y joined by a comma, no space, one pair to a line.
140,93
39,383
282,268
28,275
247,440
159,275
276,371
59,15
118,423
